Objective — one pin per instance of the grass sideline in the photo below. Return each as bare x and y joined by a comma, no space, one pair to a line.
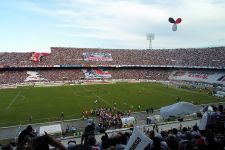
45,104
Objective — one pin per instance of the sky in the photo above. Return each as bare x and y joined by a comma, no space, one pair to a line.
37,25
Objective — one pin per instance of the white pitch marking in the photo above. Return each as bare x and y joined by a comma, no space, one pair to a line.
100,98
13,100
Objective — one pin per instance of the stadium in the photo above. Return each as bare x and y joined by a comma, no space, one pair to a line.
112,75
38,87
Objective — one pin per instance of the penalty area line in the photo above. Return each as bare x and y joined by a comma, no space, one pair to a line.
13,100
103,100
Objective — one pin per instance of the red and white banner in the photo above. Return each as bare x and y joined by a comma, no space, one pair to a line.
36,57
96,73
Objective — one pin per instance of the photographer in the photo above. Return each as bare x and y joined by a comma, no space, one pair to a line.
89,130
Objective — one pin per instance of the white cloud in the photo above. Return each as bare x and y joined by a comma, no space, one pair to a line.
129,20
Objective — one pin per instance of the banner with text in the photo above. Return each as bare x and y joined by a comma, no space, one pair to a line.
207,77
138,140
97,56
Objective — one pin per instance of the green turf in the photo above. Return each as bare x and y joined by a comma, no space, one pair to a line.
47,103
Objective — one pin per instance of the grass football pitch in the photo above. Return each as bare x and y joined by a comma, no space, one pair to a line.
46,103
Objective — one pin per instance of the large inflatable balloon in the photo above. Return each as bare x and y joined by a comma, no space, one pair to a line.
174,22
178,20
174,27
171,20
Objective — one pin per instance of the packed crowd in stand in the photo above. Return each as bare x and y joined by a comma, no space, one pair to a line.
74,56
52,75
60,57
12,77
71,75
183,57
150,74
61,75
21,59
209,138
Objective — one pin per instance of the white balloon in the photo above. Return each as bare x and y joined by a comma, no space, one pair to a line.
174,27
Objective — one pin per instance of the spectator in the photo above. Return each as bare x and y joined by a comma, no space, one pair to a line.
40,143
195,131
120,143
158,144
91,141
28,132
89,130
221,113
71,145
104,144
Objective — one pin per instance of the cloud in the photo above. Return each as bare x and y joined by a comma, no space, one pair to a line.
130,20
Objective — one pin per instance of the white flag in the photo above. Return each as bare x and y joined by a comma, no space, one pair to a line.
138,140
203,121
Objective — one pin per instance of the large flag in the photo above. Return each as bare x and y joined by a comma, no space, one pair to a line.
36,57
34,76
203,121
138,140
96,73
